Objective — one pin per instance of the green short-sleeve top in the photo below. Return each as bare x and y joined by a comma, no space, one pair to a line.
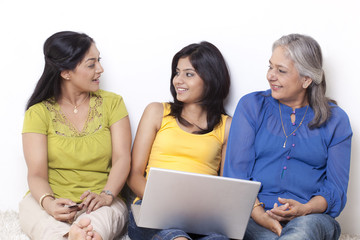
77,161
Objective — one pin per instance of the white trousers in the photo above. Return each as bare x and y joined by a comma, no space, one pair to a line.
109,221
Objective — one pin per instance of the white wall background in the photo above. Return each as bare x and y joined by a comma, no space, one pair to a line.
137,40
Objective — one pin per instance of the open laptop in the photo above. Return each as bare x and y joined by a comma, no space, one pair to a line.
196,203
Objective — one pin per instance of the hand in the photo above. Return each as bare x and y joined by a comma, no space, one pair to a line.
57,209
263,219
94,201
288,211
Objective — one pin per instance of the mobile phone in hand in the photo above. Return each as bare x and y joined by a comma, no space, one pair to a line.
75,206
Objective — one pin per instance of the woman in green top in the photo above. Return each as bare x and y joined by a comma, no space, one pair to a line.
76,141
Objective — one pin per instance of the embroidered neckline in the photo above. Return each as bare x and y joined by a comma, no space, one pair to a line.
64,127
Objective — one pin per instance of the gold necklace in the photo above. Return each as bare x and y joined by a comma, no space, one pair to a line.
76,106
282,124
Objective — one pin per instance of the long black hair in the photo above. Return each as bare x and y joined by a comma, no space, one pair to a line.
62,51
210,65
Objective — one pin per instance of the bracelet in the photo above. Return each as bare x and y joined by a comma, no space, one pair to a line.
259,204
108,192
45,196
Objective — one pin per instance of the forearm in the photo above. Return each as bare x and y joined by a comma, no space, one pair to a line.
316,204
118,175
137,183
38,186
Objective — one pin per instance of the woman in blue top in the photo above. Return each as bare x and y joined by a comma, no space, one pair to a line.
296,142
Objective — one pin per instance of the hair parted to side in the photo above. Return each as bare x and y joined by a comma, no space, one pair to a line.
62,51
210,65
307,57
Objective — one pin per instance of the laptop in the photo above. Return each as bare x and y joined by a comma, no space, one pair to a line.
196,203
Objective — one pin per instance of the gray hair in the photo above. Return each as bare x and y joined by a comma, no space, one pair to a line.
307,57
306,54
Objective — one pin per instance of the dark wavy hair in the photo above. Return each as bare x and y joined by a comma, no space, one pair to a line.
62,51
210,65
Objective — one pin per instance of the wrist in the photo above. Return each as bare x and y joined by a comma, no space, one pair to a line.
307,209
45,196
108,193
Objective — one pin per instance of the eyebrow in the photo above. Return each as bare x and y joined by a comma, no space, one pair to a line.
91,59
277,65
187,69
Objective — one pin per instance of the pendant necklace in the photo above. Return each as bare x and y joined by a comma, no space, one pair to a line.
282,124
76,106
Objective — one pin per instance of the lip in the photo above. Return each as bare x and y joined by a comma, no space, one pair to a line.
275,87
97,80
181,89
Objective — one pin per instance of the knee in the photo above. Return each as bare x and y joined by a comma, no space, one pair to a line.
170,234
313,226
216,236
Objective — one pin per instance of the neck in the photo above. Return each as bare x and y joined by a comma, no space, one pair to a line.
72,96
195,115
295,104
194,112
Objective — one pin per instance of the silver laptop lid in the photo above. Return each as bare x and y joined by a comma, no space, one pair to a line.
197,203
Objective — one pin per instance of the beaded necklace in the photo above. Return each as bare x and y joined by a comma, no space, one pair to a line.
282,124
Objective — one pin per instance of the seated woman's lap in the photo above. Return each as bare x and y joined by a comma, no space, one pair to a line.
313,226
109,222
140,233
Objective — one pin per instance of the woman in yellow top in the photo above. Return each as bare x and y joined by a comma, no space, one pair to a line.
188,134
76,141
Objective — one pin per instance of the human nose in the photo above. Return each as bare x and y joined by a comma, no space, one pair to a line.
99,69
271,75
178,78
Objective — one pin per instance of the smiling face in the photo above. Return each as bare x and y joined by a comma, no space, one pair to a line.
188,84
285,82
85,77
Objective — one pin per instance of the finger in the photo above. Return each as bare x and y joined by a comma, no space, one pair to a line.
282,200
89,198
92,204
284,207
65,217
98,205
289,201
275,216
85,194
280,209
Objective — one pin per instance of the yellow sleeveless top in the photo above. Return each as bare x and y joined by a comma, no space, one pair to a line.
77,161
176,149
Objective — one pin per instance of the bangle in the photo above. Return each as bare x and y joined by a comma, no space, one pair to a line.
45,196
259,204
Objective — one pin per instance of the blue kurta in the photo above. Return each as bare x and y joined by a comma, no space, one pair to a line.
313,162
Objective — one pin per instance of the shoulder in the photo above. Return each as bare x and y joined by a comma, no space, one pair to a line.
153,114
337,112
155,108
338,127
254,103
107,95
255,98
40,108
338,116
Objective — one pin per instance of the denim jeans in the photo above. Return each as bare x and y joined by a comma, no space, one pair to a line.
139,233
309,227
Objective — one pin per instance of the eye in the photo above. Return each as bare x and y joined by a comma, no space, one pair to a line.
282,71
190,74
99,59
177,73
92,66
